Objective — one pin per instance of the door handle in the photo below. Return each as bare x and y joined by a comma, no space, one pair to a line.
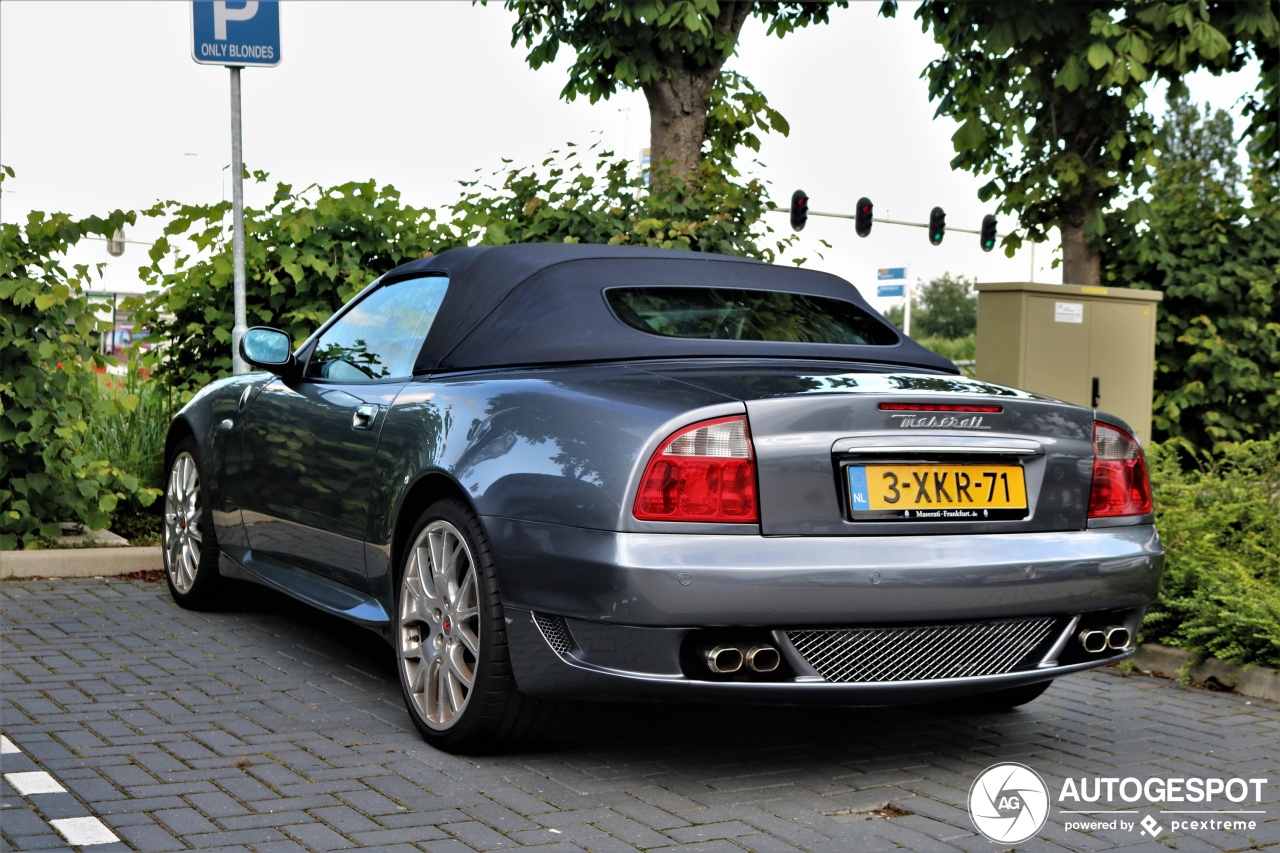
364,417
1097,394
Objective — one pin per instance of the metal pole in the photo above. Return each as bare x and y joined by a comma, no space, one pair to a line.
906,312
237,227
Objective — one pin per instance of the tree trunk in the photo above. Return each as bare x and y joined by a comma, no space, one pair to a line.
678,120
1081,263
678,101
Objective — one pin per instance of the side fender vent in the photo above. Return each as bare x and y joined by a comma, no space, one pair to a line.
555,631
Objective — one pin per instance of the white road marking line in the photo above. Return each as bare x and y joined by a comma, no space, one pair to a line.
83,831
7,747
34,782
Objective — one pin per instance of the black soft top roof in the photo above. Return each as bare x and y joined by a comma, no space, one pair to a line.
544,303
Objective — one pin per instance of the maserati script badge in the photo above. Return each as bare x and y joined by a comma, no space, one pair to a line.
936,422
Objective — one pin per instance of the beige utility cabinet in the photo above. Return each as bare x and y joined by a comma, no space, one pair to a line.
1092,346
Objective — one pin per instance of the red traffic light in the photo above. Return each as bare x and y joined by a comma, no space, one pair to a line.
799,210
862,217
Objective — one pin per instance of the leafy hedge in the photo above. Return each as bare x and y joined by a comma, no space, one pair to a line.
307,252
1220,526
48,388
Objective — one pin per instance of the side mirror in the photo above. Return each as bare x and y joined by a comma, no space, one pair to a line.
268,349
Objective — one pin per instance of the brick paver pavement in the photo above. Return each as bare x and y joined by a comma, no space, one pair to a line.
269,728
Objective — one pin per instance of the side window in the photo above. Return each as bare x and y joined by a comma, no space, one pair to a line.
380,336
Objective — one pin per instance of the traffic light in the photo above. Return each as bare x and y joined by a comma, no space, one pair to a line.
937,225
799,210
988,233
862,217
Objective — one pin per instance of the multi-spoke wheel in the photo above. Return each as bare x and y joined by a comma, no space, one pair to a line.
190,550
440,632
451,641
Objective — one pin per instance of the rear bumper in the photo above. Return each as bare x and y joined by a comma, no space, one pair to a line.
705,580
624,609
610,661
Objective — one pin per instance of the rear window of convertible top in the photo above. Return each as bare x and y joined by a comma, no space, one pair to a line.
728,314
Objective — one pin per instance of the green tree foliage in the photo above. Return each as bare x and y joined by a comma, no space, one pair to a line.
672,50
306,253
591,198
1212,245
1220,526
1050,98
944,307
48,387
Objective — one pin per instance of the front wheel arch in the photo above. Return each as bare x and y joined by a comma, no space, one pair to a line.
428,490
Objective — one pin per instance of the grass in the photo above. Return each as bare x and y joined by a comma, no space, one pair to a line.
133,441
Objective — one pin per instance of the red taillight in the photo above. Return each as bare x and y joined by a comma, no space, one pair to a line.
704,472
1120,483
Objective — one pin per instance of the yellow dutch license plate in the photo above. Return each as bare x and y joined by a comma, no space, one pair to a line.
936,492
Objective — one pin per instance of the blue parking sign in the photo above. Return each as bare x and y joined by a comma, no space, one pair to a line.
235,32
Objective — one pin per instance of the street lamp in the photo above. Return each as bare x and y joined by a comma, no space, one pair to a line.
115,246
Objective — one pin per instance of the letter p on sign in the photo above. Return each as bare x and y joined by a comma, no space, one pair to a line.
221,14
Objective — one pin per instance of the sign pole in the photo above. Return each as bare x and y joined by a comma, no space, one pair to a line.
247,34
237,228
906,311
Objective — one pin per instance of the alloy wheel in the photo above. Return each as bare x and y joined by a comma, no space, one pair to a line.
183,511
439,625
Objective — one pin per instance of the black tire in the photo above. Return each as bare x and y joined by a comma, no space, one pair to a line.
451,641
189,545
1001,700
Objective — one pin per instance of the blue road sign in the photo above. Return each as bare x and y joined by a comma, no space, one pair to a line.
891,290
888,273
235,32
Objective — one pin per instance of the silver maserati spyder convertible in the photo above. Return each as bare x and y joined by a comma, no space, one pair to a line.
558,471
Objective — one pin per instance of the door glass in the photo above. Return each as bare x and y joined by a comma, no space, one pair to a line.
380,336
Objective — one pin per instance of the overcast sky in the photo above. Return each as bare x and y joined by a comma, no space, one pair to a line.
102,107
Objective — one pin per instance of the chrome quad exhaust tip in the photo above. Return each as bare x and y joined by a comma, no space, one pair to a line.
724,659
1117,638
1095,640
763,658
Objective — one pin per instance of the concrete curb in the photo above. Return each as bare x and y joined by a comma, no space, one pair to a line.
1259,682
79,562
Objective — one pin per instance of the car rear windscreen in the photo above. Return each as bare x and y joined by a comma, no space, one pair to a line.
728,314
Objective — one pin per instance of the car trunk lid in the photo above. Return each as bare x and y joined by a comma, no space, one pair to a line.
870,452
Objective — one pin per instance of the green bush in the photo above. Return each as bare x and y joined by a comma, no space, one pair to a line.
1220,526
956,349
49,473
308,252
